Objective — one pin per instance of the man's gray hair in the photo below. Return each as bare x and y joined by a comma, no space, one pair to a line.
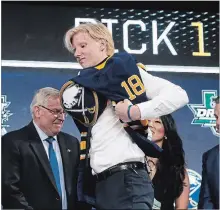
42,95
216,100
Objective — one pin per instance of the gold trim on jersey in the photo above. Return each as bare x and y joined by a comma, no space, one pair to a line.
102,65
63,88
91,110
142,66
82,145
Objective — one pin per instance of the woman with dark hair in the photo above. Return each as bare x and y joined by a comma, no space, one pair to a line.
168,173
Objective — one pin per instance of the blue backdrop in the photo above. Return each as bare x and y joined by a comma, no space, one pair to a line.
19,85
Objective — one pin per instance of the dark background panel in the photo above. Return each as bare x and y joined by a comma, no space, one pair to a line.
37,29
210,6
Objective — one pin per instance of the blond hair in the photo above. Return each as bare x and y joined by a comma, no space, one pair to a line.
41,97
97,31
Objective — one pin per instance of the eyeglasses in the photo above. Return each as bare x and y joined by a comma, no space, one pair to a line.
56,113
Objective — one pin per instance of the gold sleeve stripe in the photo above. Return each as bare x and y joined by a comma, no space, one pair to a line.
65,86
113,103
82,145
141,65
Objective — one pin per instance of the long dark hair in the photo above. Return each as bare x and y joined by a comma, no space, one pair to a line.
171,165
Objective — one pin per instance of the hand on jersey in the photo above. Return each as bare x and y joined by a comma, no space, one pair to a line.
121,110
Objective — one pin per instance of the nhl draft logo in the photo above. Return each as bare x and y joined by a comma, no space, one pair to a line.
195,184
5,113
204,113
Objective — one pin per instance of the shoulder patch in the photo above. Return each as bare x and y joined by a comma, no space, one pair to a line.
63,88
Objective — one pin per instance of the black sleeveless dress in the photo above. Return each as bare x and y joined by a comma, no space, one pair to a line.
164,197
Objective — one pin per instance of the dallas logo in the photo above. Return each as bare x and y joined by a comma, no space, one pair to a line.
5,113
204,113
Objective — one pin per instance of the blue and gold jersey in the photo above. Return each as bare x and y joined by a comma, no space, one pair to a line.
117,78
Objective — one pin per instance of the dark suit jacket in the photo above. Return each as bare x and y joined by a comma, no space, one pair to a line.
209,193
27,178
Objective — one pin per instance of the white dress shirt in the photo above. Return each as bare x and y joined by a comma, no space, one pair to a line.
111,144
56,148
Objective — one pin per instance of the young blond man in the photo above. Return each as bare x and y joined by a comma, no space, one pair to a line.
118,162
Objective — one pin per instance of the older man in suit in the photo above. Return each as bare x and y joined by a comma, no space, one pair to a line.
39,162
209,194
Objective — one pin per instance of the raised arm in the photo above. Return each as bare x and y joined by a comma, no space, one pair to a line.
164,98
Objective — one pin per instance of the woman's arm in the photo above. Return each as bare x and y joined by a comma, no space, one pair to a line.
182,201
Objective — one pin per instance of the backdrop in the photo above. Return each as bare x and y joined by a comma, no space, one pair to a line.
181,46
